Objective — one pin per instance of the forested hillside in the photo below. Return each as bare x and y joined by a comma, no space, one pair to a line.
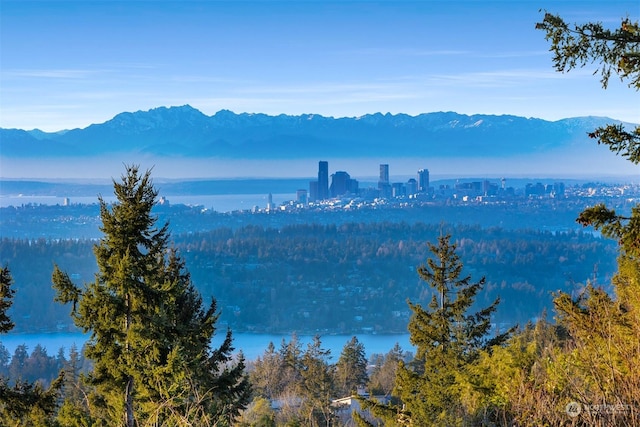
344,278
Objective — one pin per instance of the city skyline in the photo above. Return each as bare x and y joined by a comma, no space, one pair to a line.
343,184
69,64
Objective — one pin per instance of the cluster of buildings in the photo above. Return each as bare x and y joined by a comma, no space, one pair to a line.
339,190
343,185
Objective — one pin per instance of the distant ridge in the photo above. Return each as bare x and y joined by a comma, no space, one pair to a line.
188,133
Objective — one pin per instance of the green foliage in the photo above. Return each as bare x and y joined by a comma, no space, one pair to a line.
150,331
351,369
625,229
270,273
620,141
67,292
316,387
258,414
383,375
516,383
6,296
265,374
24,403
375,413
277,376
601,361
73,414
434,388
448,342
301,383
615,51
74,411
602,366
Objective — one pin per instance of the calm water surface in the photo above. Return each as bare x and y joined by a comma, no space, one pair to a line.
252,345
217,202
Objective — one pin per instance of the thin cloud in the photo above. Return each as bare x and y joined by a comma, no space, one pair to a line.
68,74
502,78
78,73
517,54
326,87
409,52
205,79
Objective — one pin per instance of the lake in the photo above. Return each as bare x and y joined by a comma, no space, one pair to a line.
252,345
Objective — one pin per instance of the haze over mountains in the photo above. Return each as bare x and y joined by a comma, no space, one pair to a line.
185,139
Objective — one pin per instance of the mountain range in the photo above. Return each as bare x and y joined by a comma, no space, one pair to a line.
182,141
187,132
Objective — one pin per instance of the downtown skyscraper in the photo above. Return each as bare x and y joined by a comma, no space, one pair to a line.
323,180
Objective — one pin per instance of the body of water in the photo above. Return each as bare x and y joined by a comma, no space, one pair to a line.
217,202
252,345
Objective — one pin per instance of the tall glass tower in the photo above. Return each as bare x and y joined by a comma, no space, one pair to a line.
423,181
384,174
323,180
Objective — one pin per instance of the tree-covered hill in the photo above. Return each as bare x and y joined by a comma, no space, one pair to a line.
332,278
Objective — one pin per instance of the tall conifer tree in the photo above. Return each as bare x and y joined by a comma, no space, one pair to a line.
316,386
448,341
150,331
351,369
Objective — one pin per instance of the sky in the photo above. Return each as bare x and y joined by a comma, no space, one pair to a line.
68,64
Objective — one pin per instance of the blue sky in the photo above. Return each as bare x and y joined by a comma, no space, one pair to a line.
67,64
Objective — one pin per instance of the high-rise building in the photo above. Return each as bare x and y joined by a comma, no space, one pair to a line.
341,184
423,181
270,205
384,174
486,187
323,180
313,191
301,196
384,187
398,189
412,186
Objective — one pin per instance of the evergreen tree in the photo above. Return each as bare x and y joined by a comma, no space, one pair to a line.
290,356
74,410
6,299
383,376
23,403
316,386
258,414
351,369
615,51
265,376
5,357
18,362
277,376
448,342
150,331
602,365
